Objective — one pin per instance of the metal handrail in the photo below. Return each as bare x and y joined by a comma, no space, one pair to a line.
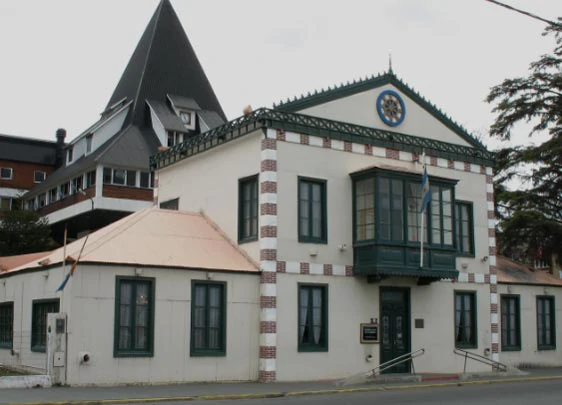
496,365
395,361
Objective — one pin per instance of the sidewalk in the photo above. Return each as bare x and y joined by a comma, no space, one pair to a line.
216,391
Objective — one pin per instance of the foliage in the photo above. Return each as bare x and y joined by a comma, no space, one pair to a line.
531,218
23,232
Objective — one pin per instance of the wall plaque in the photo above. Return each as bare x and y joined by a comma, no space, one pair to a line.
369,333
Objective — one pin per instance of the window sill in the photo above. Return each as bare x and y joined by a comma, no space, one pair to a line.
38,349
511,349
207,353
248,240
7,346
467,255
545,348
312,349
133,354
313,241
466,346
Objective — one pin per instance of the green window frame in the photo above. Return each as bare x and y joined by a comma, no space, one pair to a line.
387,209
546,324
39,311
6,325
510,322
248,201
134,317
466,331
208,318
464,229
312,211
313,318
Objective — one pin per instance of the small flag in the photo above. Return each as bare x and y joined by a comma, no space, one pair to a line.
425,195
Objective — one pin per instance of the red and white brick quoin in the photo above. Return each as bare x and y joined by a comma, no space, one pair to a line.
268,257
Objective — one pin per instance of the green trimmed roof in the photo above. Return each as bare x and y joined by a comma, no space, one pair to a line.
305,124
369,83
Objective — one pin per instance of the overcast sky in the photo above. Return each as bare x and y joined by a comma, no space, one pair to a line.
61,59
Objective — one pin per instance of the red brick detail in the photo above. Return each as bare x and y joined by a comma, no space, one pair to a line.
305,139
268,209
267,376
156,182
490,196
495,328
280,132
493,288
482,169
268,302
415,157
304,268
268,187
347,146
281,267
281,136
268,144
492,232
493,270
495,348
349,270
494,308
326,143
487,278
268,327
433,161
268,277
451,164
268,254
368,149
466,166
268,231
492,250
392,154
491,215
269,165
268,352
489,179
155,200
471,277
328,270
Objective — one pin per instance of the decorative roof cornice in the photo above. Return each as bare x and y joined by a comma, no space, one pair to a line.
368,83
305,124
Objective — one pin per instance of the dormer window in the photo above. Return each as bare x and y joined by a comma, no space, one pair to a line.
70,154
174,138
39,176
185,117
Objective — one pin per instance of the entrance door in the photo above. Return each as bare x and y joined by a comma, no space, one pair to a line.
395,327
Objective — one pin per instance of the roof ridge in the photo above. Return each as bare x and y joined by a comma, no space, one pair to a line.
235,245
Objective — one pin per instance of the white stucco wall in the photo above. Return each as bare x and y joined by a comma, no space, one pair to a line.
346,355
22,289
360,109
529,355
209,181
91,329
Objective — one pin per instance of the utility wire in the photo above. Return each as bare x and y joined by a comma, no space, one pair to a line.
549,22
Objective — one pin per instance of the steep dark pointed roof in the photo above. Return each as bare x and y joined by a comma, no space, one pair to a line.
164,62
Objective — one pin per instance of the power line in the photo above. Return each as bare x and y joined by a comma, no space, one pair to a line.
525,13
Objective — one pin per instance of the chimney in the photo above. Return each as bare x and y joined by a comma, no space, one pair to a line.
59,153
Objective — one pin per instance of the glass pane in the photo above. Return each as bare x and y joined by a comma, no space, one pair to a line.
119,176
435,216
364,211
384,197
131,178
107,175
397,216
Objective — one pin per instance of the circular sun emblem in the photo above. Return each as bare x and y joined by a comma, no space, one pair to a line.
390,108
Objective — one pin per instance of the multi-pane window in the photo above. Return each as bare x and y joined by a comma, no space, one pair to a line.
76,184
465,319
174,138
91,178
53,195
464,230
313,318
172,204
119,177
89,138
134,317
510,323
146,180
312,211
39,176
546,337
394,200
208,319
6,173
6,324
248,209
70,154
40,309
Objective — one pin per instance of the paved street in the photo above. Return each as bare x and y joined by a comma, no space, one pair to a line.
521,393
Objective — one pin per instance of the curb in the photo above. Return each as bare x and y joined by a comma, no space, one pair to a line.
285,394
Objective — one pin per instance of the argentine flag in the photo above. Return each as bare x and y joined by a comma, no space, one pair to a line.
425,195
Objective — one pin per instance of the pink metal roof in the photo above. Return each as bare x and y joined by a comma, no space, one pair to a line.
510,272
156,237
8,263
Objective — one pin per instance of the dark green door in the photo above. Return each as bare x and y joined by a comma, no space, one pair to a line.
394,324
